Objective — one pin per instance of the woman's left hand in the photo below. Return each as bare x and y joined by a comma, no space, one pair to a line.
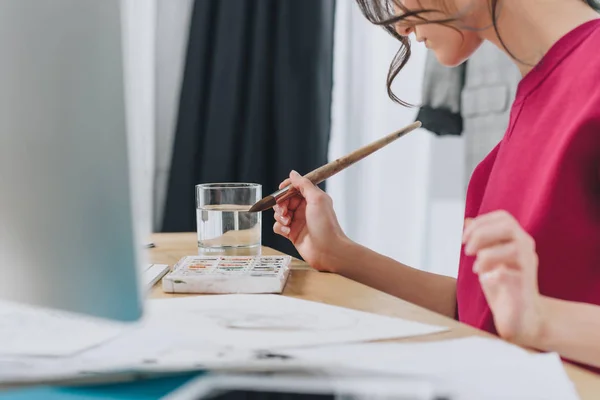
507,264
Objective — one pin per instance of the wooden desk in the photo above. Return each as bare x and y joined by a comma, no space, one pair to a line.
306,283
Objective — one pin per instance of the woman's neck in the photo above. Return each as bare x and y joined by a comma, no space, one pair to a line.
530,28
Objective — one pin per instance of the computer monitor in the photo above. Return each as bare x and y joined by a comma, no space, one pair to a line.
67,237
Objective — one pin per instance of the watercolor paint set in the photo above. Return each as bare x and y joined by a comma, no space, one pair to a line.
228,275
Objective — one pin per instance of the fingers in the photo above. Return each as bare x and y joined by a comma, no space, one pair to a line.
498,278
308,189
285,183
502,288
499,242
289,205
281,208
294,203
489,229
471,224
284,220
503,255
281,230
502,282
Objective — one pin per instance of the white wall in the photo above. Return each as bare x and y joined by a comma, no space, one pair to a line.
139,30
405,201
155,33
381,202
446,205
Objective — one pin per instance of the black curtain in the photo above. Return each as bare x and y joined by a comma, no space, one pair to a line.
255,100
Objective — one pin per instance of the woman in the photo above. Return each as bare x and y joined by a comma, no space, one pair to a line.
530,266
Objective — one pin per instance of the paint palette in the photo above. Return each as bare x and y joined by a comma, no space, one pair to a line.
228,275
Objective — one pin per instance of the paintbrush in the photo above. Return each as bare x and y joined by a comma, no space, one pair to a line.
328,170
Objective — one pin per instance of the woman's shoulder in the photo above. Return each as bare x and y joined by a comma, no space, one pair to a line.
588,53
578,53
581,70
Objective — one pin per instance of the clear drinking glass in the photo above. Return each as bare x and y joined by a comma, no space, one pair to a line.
224,224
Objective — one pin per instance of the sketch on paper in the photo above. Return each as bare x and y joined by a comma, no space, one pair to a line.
276,321
269,322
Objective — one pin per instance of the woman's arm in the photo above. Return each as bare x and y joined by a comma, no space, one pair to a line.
310,223
507,265
432,291
571,329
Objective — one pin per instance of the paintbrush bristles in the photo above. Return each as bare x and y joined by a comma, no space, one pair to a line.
264,204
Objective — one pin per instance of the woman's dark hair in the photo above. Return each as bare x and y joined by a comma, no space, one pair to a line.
382,13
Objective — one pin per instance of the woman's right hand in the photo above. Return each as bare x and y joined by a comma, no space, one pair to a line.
309,222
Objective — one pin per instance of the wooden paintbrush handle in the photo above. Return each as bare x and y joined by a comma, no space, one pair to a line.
328,170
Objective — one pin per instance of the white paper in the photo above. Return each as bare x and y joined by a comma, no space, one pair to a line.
469,368
272,321
231,333
37,332
212,332
420,358
136,351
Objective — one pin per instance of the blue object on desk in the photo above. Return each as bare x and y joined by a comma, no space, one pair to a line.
147,389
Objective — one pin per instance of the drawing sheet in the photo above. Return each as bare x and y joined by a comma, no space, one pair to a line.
233,332
150,348
471,368
272,321
136,351
266,332
461,369
31,331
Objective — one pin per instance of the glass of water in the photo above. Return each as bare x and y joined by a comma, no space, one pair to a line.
224,225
